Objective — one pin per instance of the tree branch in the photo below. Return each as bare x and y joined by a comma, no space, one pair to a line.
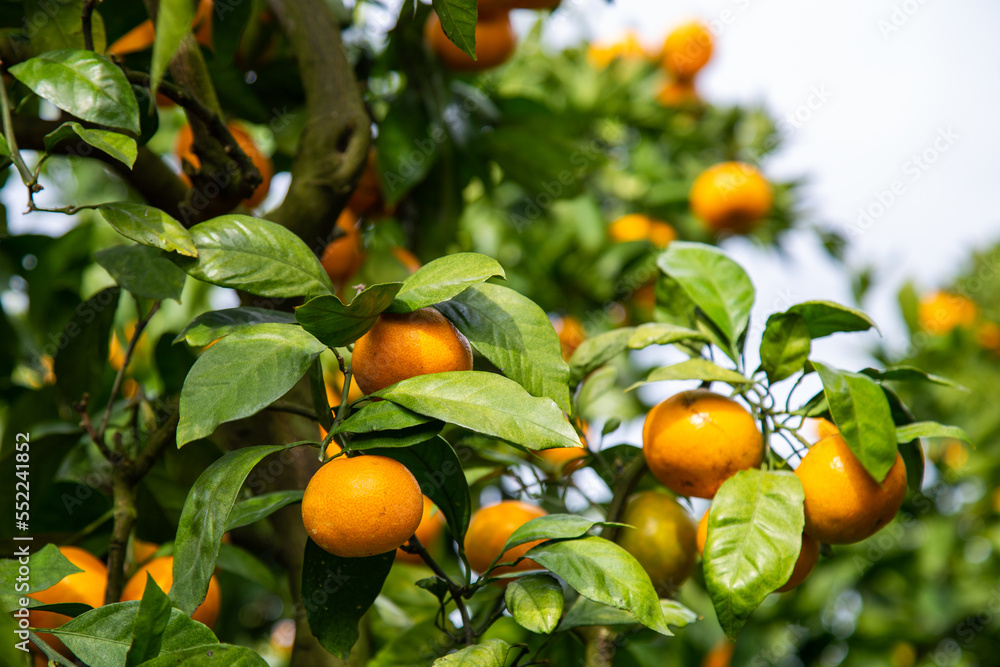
334,143
86,18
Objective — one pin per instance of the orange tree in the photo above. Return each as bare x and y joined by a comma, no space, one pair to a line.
137,411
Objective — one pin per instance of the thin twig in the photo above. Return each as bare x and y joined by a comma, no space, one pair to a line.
121,371
86,18
627,480
454,589
88,426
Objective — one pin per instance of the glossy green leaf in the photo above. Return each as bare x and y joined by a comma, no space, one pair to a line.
439,473
335,324
597,351
861,412
84,84
115,144
585,613
443,279
381,416
930,430
103,636
63,28
826,317
715,283
204,519
604,572
491,653
662,333
516,335
785,346
148,226
214,324
486,403
142,271
260,507
338,592
82,356
150,623
754,537
256,256
210,655
173,22
536,602
911,374
694,369
458,19
551,527
594,386
421,642
48,567
241,374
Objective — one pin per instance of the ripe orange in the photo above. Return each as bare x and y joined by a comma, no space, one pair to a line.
843,503
402,346
162,571
344,255
696,440
361,506
731,196
489,530
570,332
367,196
142,550
662,540
940,312
720,655
687,49
628,48
638,227
143,35
988,336
86,587
407,259
678,93
495,43
429,532
333,448
184,147
565,459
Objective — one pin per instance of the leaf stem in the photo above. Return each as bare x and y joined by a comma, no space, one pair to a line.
8,130
457,592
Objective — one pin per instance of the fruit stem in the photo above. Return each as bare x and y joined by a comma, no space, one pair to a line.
457,592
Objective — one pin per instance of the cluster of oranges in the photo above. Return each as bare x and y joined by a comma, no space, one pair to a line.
495,41
939,313
88,587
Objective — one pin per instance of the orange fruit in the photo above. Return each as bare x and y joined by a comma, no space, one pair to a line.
143,35
142,550
731,196
407,259
825,428
628,48
87,587
333,448
570,332
843,503
808,555
404,345
367,196
489,529
662,539
429,532
184,147
495,43
696,440
687,49
940,312
678,93
988,336
117,348
720,655
638,227
343,256
565,459
162,571
361,506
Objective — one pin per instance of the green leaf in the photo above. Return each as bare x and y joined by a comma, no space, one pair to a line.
662,333
595,385
785,346
485,403
150,623
241,374
694,369
260,507
754,537
81,360
381,416
491,653
337,325
551,527
715,283
103,636
173,22
586,613
256,256
443,279
10,654
4,148
421,642
342,591
860,410
218,323
930,430
597,351
210,655
63,29
241,562
458,19
48,567
516,335
911,374
826,317
142,271
115,144
536,602
604,572
148,226
84,84
204,519
439,474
